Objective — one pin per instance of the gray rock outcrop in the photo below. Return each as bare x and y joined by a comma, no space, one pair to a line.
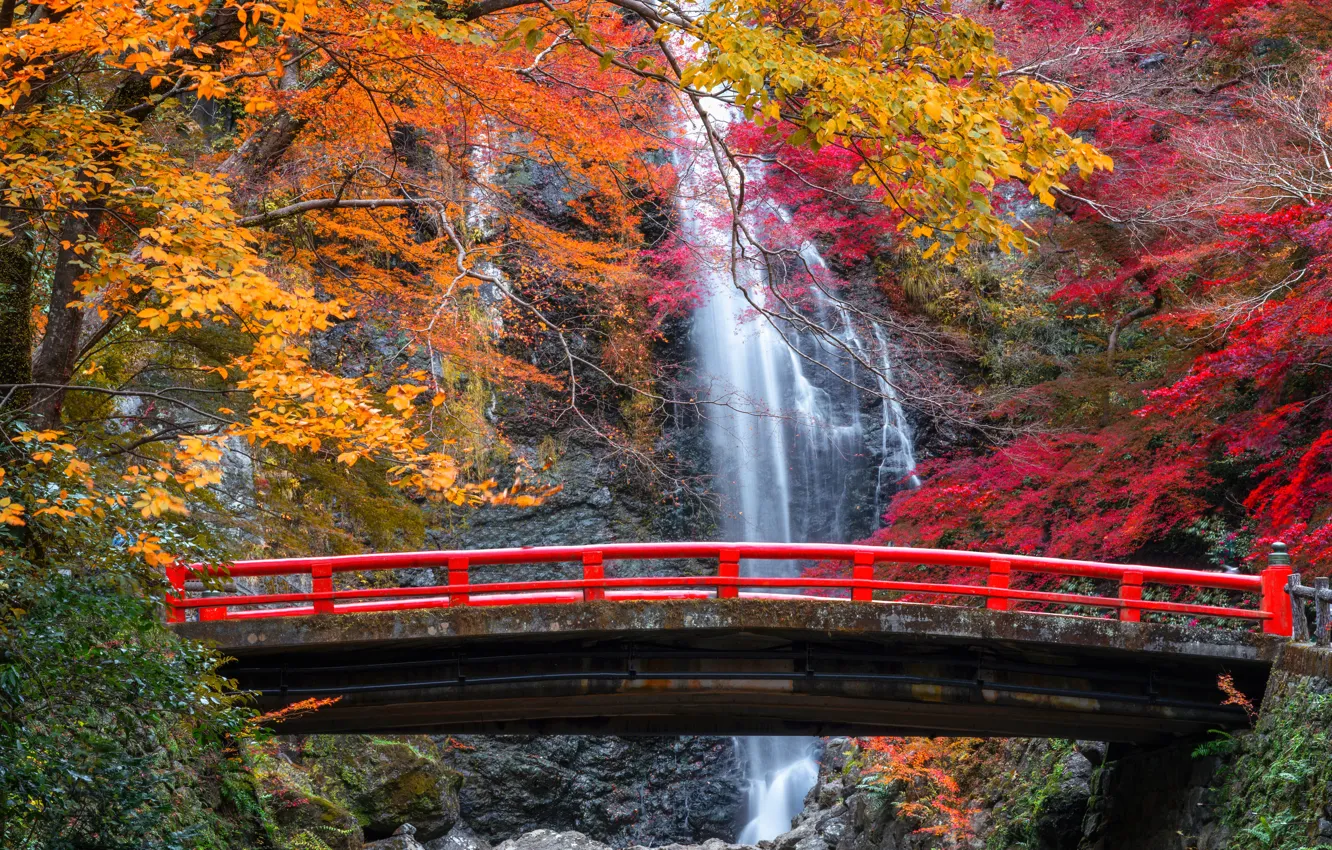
621,791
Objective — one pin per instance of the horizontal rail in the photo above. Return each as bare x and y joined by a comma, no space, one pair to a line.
1273,610
746,551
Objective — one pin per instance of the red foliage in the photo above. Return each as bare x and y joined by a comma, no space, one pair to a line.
1102,495
1234,696
1265,390
814,188
1239,281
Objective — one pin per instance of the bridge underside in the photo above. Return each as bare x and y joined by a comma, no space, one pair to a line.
742,666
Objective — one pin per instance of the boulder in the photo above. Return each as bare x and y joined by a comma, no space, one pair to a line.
404,838
549,839
382,783
401,781
1058,821
622,791
461,837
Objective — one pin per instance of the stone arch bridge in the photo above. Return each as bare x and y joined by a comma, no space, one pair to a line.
680,638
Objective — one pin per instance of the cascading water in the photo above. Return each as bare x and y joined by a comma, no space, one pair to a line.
790,457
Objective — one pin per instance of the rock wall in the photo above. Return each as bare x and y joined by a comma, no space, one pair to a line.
337,792
620,791
340,792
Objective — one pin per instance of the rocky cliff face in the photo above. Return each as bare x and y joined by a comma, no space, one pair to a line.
620,791
340,792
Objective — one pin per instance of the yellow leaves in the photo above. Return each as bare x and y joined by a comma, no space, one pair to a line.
76,468
38,436
157,501
11,513
149,548
199,450
198,463
918,91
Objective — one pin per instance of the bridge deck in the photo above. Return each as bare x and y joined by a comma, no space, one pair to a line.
742,666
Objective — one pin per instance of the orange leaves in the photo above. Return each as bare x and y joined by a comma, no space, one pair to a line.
169,263
400,398
157,501
11,513
157,39
924,771
297,709
149,548
1234,696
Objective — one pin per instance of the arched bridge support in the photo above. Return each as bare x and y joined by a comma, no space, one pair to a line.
799,665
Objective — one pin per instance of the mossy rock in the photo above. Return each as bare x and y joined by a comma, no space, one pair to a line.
386,782
303,817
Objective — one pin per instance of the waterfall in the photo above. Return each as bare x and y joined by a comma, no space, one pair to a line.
790,457
780,770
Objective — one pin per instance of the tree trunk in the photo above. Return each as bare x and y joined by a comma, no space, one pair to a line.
15,321
54,363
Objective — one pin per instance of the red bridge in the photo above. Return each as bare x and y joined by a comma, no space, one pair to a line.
668,638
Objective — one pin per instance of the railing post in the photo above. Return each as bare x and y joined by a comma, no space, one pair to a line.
728,566
594,569
1275,599
321,573
1299,622
458,576
1322,620
176,577
862,569
1130,587
1000,577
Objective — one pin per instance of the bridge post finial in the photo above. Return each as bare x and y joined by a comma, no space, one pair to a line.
1275,599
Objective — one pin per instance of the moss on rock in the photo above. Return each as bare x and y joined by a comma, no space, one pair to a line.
383,782
1280,786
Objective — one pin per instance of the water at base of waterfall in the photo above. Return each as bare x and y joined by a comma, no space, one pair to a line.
781,771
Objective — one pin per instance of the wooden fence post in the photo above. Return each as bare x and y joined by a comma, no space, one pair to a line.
459,576
1000,577
1322,602
1275,599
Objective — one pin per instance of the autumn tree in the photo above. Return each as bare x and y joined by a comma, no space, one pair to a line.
211,207
1158,346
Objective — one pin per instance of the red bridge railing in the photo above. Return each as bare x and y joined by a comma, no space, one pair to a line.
1268,590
